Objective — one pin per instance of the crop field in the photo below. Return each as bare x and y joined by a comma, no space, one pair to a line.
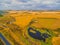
29,27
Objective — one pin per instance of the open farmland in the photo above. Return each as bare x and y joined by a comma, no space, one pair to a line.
30,27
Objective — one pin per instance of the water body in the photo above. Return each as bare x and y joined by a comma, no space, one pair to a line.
4,39
38,35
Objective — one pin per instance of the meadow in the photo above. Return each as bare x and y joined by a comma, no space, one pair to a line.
14,27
